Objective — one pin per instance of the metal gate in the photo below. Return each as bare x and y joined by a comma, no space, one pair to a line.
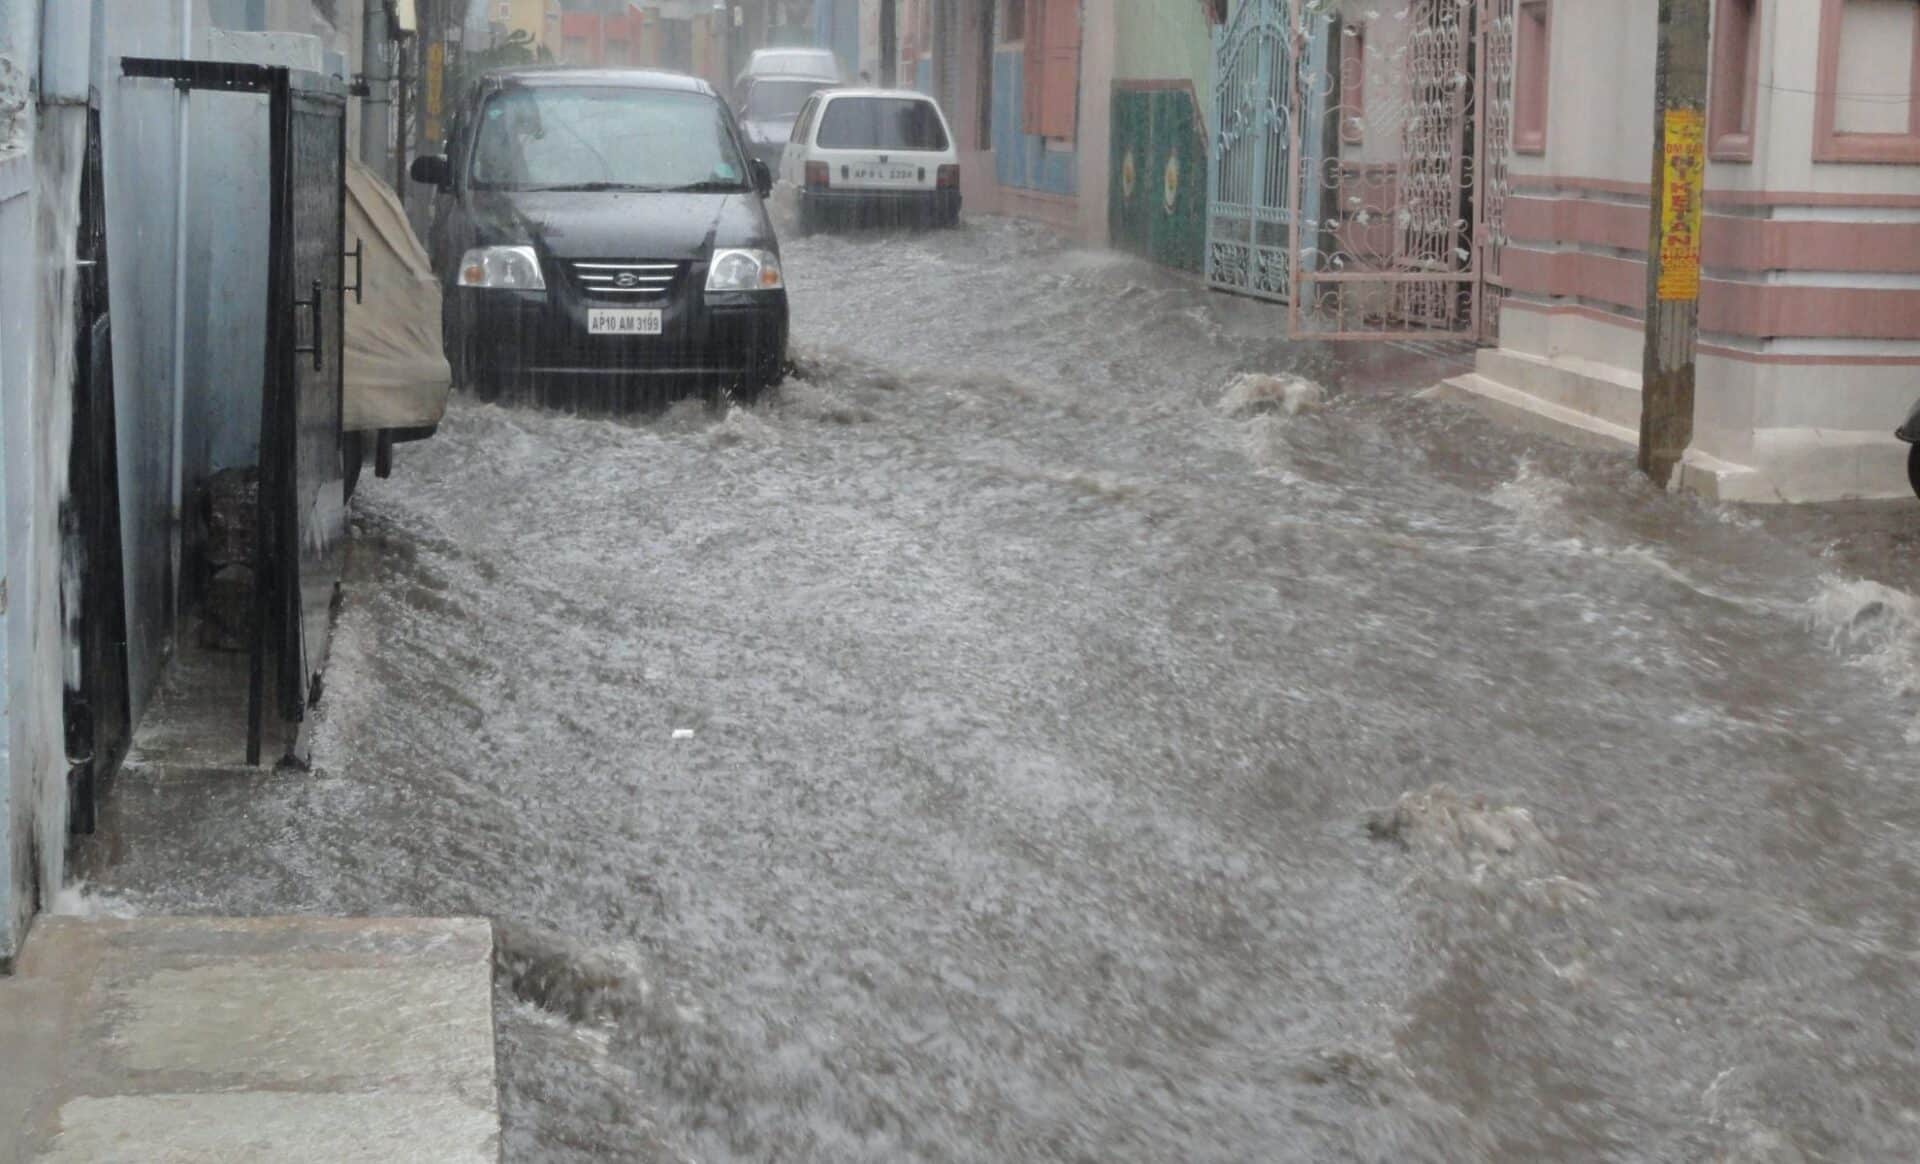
301,516
1249,195
300,464
1359,169
93,585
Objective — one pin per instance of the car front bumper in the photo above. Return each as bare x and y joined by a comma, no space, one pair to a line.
517,340
881,206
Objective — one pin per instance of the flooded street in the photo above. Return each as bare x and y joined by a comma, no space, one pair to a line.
992,747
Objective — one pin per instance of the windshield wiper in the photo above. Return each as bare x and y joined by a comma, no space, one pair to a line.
591,187
710,186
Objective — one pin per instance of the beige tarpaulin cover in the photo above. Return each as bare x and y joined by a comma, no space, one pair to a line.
396,371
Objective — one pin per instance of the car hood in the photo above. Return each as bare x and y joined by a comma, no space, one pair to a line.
617,224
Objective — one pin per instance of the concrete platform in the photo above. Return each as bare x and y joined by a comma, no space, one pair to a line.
1530,413
197,722
1597,405
182,1040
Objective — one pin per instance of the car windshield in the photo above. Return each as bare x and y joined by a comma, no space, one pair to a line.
882,123
776,100
605,139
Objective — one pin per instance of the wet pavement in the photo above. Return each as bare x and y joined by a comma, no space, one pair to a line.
990,747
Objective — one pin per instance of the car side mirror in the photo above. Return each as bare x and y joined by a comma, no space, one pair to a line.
430,170
762,177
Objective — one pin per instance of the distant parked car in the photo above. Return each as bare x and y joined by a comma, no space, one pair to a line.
816,64
602,237
872,157
768,111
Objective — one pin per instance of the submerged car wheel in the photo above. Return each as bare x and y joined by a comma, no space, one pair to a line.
751,387
455,337
1913,468
483,382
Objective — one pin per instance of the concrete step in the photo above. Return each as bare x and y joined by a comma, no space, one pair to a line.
196,725
297,1040
1601,390
1532,413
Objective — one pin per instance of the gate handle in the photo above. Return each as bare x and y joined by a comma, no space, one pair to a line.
358,255
318,348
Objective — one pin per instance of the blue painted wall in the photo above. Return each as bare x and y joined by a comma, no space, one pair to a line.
241,14
1020,159
836,25
226,284
39,203
33,179
140,136
16,289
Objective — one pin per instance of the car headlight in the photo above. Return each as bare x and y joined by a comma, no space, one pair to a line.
502,268
741,270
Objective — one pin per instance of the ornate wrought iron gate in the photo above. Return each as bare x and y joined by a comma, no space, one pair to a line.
1359,163
1249,215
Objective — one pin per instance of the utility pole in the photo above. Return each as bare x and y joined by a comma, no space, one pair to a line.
730,21
376,108
400,139
889,43
1673,249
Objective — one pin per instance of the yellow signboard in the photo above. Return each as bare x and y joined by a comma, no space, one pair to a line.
1684,172
436,88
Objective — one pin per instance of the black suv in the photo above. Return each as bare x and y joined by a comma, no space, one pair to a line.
603,239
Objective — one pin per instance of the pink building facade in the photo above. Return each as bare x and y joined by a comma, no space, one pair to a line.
1810,296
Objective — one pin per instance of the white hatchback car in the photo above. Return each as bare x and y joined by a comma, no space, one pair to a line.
872,156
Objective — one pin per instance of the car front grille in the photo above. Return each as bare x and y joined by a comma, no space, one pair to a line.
638,279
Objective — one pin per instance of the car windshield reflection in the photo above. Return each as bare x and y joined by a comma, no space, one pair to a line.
778,100
605,139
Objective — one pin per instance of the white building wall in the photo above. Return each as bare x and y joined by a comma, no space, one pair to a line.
39,185
1600,97
1778,417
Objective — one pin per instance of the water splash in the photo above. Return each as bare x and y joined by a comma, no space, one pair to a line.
1252,393
1464,836
81,900
1876,627
1533,495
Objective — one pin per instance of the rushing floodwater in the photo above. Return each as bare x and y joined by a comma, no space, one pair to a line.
1082,770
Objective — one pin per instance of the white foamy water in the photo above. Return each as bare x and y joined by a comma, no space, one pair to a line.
1036,727
1532,495
1876,627
78,899
1251,393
